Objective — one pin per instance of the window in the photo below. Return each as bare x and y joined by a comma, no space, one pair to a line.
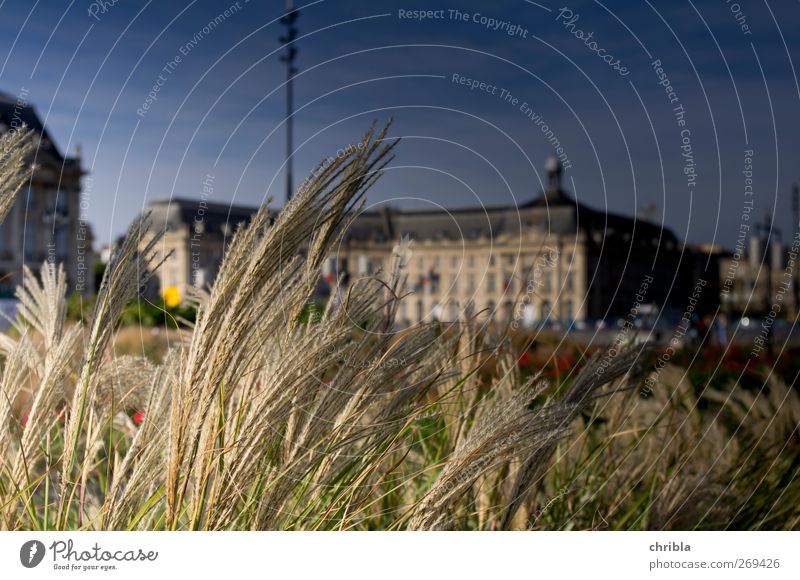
30,240
454,262
569,284
420,310
433,277
547,280
491,260
530,281
62,203
569,310
62,242
454,284
470,283
471,261
491,284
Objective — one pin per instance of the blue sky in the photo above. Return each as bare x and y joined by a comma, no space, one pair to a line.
220,110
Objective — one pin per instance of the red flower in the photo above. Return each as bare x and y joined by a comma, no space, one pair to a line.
138,417
25,419
525,359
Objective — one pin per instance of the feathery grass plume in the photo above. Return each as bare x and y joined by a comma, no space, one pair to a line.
592,377
44,413
256,300
21,370
513,427
141,472
42,304
127,271
15,168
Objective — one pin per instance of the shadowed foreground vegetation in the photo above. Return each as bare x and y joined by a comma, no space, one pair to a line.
262,417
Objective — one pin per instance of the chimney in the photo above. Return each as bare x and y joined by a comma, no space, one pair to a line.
754,255
776,255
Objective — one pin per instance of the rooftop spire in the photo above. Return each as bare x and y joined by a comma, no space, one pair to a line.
553,168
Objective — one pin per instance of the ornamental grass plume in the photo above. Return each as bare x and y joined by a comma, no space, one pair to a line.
262,417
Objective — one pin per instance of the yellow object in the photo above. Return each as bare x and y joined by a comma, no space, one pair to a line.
172,296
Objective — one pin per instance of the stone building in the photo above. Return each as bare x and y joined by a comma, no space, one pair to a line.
759,275
195,235
552,259
46,222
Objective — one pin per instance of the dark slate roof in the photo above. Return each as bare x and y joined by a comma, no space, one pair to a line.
552,211
562,215
559,214
217,218
14,112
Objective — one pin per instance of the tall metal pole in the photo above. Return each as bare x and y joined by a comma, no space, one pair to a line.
288,57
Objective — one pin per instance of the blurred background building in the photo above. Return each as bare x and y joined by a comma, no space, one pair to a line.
45,223
552,259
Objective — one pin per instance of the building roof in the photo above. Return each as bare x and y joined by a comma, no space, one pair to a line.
553,211
16,111
218,218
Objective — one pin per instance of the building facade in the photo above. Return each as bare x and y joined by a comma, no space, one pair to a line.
760,275
551,260
195,234
46,222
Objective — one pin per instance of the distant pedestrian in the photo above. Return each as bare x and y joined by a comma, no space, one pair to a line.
721,326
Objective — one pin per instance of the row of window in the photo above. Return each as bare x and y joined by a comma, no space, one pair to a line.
547,258
369,265
529,314
536,282
36,238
